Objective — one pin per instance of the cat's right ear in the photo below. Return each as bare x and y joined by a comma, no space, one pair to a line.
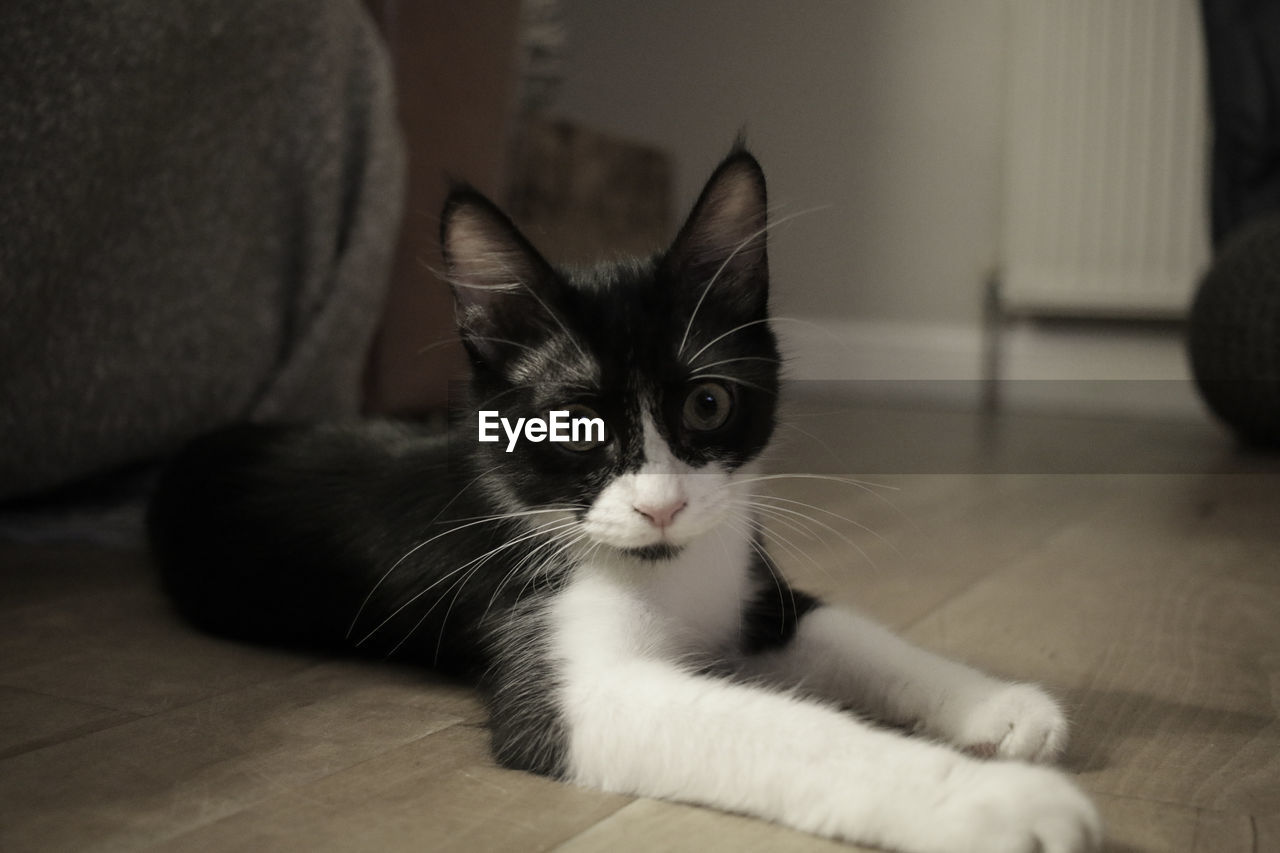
720,253
495,275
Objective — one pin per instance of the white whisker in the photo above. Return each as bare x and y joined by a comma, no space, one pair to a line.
689,326
360,610
450,574
739,358
826,511
784,510
733,379
721,337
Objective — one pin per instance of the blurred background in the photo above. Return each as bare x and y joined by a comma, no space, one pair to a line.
220,212
959,191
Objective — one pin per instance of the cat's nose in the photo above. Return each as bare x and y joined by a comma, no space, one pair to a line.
660,515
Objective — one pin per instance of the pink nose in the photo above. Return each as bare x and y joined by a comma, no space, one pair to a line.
662,515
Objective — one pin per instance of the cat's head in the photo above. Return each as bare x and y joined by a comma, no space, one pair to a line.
673,353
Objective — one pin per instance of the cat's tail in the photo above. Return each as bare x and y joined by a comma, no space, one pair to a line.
269,533
209,525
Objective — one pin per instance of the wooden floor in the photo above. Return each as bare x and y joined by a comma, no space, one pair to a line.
1133,568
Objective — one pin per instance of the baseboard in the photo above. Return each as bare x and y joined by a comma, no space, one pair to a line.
1108,370
860,350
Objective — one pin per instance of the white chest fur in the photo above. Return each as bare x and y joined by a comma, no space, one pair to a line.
687,606
700,594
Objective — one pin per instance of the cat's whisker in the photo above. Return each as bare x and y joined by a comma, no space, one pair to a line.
461,574
443,342
870,530
398,563
863,485
554,316
508,544
736,329
763,358
543,530
749,507
783,541
556,542
770,518
364,604
520,513
826,446
721,337
774,510
518,282
457,339
544,554
792,520
724,264
825,331
734,379
532,576
724,550
768,563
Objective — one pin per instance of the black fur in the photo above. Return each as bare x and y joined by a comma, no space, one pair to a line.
771,616
374,536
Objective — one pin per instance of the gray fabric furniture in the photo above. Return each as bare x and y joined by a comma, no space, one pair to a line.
198,205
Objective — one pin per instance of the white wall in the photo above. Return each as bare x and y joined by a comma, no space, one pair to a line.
889,115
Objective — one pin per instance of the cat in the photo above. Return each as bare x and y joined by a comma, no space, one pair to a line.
610,595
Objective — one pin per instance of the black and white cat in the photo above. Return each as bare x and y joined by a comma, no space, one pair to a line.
609,594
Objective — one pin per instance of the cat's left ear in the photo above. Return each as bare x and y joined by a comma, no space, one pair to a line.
721,250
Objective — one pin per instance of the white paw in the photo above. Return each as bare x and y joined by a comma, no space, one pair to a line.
1018,721
1017,808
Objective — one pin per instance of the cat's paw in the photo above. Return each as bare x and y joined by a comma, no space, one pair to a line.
1015,721
1017,808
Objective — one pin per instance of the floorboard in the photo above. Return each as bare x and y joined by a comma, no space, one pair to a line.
1131,567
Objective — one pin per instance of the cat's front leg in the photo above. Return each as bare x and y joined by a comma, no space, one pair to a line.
647,727
635,720
844,657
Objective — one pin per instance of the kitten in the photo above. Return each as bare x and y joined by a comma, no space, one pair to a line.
626,626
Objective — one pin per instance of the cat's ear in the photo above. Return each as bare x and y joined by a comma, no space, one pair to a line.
721,250
496,276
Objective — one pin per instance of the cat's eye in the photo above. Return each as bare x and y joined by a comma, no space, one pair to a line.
707,407
585,428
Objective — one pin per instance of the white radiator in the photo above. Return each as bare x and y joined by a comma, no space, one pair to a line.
1106,170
